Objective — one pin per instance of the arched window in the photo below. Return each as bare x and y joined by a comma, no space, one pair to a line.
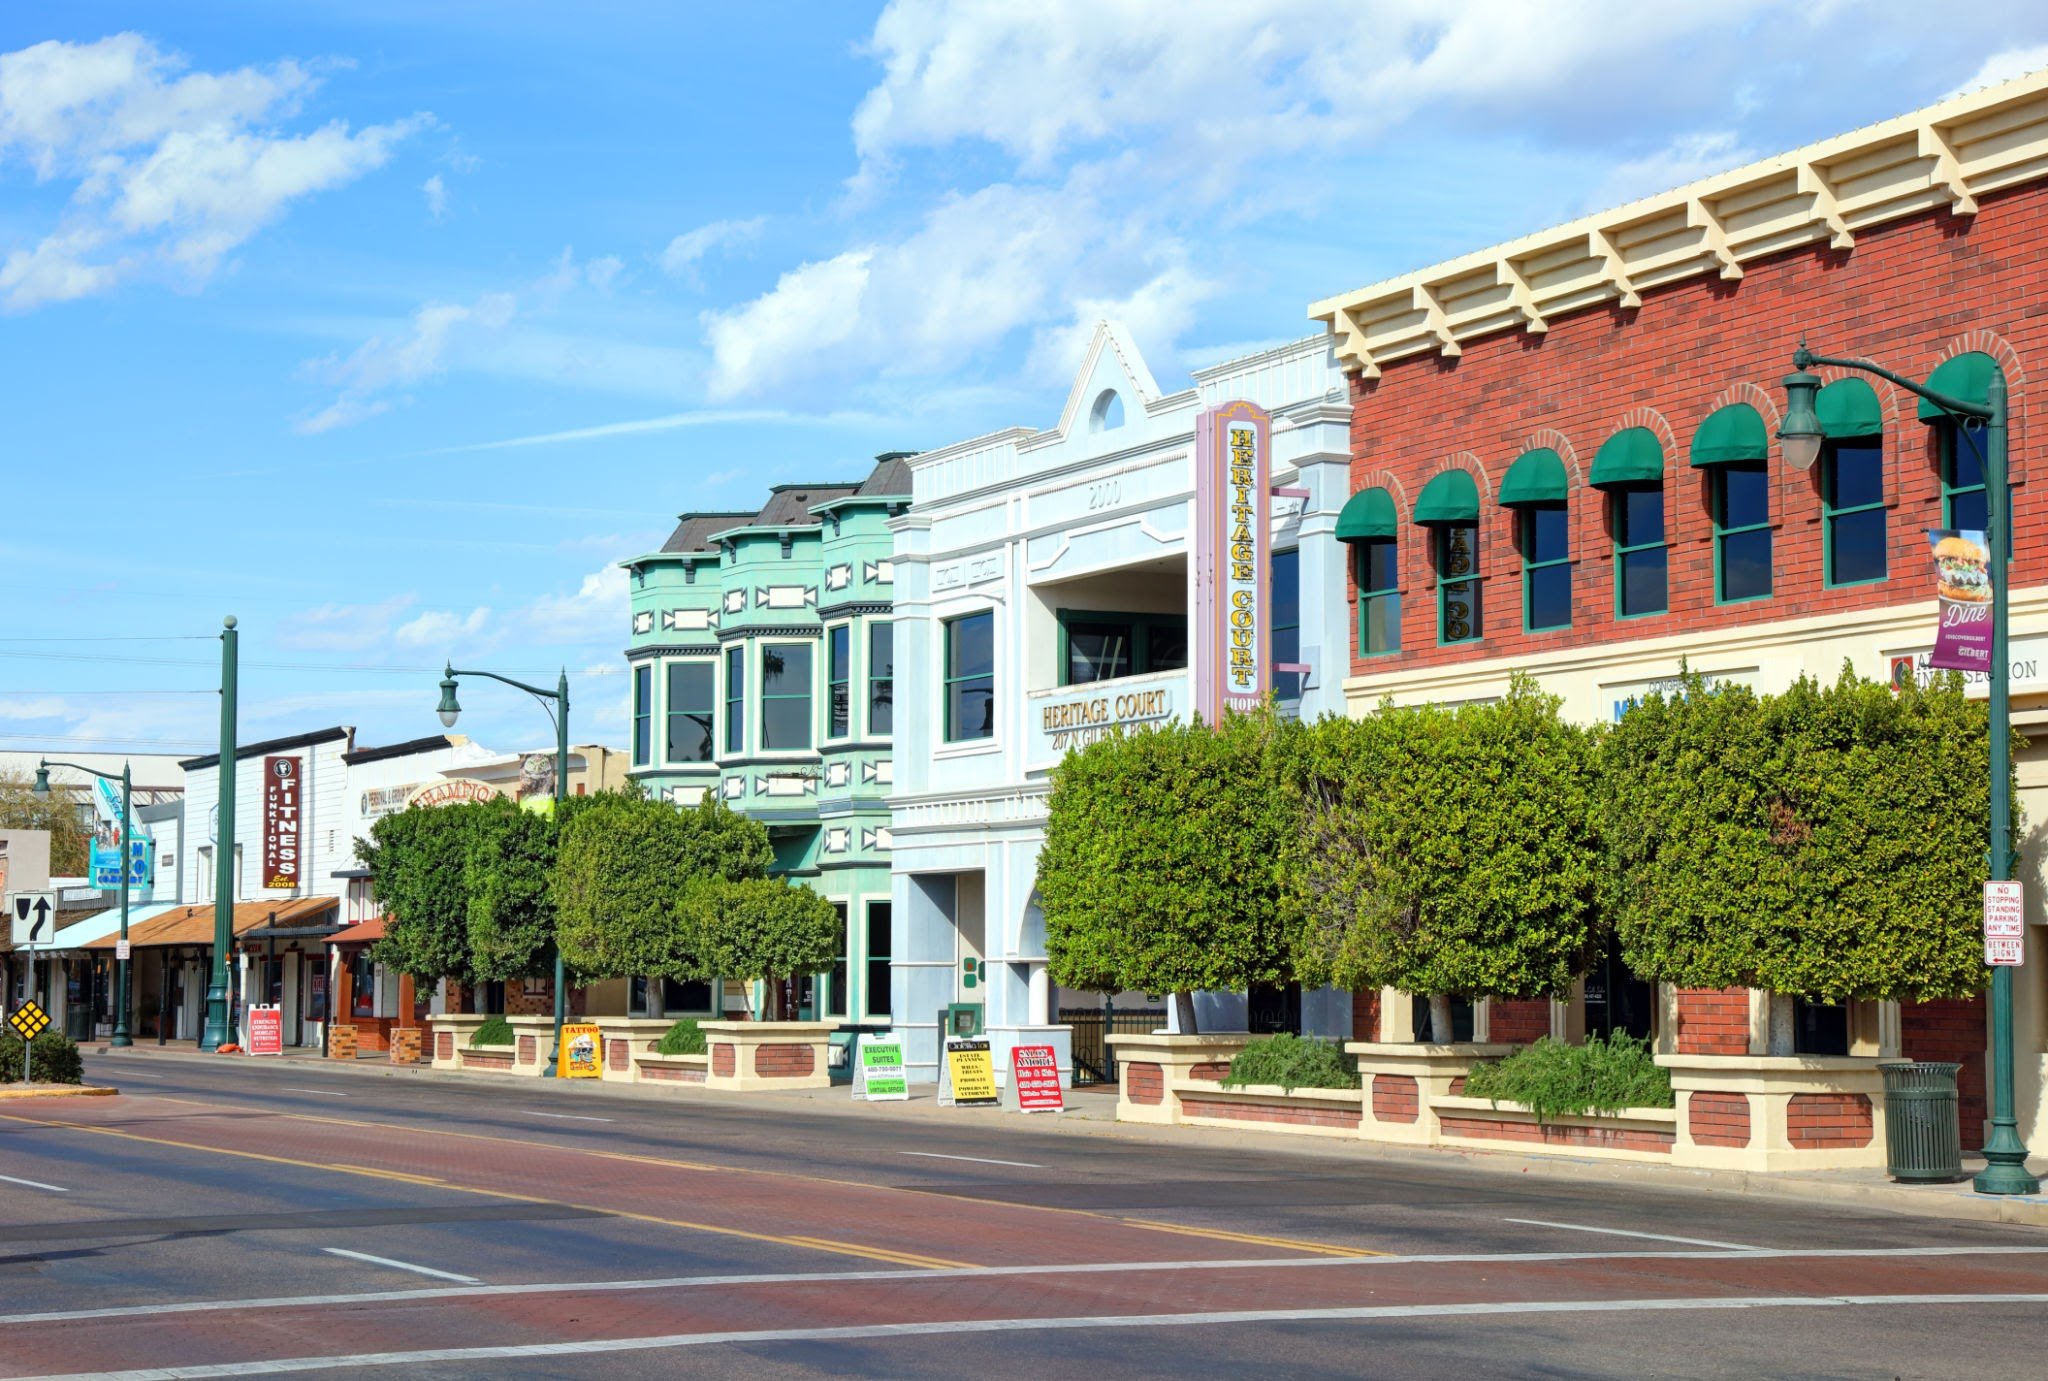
1108,412
1370,525
1732,447
1537,488
1852,484
1449,507
1630,467
1963,503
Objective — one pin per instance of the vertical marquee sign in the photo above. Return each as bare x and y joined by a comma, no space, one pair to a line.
1233,555
281,823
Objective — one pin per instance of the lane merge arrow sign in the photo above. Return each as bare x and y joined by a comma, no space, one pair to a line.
34,917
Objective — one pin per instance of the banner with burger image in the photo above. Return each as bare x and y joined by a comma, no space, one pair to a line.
1962,575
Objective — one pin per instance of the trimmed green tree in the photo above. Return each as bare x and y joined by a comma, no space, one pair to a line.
622,865
1826,842
758,930
1162,861
511,914
418,860
1447,852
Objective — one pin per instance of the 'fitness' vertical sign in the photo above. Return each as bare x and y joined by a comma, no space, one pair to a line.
1232,559
281,824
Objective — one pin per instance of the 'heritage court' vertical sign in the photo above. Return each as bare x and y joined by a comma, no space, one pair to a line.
281,825
1233,557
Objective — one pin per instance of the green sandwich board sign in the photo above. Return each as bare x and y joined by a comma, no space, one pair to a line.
878,1070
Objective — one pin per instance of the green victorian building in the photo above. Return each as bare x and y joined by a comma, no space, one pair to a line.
763,667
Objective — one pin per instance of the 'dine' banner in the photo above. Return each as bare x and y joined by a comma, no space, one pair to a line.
1962,575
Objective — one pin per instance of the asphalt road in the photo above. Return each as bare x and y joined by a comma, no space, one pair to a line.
238,1218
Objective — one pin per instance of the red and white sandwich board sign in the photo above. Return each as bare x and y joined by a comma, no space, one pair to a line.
266,1030
1036,1073
2005,924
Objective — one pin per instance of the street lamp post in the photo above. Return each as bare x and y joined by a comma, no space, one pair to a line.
559,712
2005,1155
226,776
42,791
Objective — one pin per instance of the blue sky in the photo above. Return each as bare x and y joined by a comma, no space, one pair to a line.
389,328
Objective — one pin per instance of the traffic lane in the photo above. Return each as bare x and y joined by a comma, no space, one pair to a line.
764,1309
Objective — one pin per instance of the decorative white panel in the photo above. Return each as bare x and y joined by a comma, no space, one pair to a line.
643,622
839,577
784,596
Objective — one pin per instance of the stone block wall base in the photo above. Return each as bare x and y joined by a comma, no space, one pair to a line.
761,1056
1154,1065
1404,1080
1778,1112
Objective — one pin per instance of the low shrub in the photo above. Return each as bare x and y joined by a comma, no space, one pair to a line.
1292,1063
495,1031
1552,1079
684,1038
53,1059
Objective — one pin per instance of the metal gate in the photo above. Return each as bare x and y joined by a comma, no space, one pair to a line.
1094,1061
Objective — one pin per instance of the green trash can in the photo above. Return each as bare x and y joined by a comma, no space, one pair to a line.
1923,1141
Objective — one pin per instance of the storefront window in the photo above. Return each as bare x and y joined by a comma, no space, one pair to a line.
785,697
680,997
1546,566
362,980
1101,646
877,994
1457,583
1742,530
839,680
643,712
1641,558
1287,621
692,703
970,678
736,700
1852,501
835,994
881,678
1376,568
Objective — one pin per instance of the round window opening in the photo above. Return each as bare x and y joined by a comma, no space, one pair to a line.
1108,412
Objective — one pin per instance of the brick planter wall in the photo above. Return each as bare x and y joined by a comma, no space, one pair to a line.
1955,1032
1394,1098
1365,1014
1283,1115
1718,1119
1713,1021
341,1042
1211,1072
444,1045
490,1057
1144,1083
405,1045
1558,1134
661,1074
619,1055
723,1061
783,1061
529,1050
1815,1120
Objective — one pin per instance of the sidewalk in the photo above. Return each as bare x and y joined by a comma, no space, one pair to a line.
1094,1114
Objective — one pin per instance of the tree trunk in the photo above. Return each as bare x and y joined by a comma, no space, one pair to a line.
1440,1018
1184,1008
1780,1037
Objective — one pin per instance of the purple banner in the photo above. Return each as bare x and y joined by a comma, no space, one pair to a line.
1962,580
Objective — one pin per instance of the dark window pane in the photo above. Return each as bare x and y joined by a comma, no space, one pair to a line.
839,668
691,697
971,708
1856,546
1857,476
1639,516
735,699
1383,623
1746,564
785,697
786,669
1287,648
1546,534
1461,611
1457,551
971,646
1098,651
1550,596
1745,495
1642,581
1377,566
643,732
1287,588
878,958
1966,458
1969,511
680,996
881,677
1167,646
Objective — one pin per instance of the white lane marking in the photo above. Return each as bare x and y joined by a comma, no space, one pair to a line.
131,1074
36,1184
1368,1313
565,1116
978,1160
401,1265
1624,1232
324,1093
953,1273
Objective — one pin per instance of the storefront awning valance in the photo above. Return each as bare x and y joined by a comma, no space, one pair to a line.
1451,497
1632,455
1536,477
1368,516
1849,407
1966,376
1731,434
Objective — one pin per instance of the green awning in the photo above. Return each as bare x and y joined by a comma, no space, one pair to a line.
1368,516
1966,376
1451,497
1733,433
1537,476
1849,407
1632,455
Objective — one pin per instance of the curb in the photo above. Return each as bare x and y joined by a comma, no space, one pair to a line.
61,1091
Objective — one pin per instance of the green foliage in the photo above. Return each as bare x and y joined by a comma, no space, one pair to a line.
1827,842
1292,1063
53,1059
494,1031
622,866
757,929
418,861
1444,851
511,917
1162,859
20,810
684,1038
1552,1079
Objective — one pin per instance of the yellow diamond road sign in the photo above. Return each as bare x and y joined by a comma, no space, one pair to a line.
29,1020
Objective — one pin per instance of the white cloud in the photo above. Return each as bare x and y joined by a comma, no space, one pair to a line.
343,627
566,274
418,352
440,627
687,250
811,307
596,611
436,193
1686,159
171,171
1156,314
2004,66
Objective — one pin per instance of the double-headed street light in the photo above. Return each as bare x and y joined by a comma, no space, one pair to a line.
449,709
2005,1155
41,791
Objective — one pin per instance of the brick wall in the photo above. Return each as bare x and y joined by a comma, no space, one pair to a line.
1395,1098
1365,1014
1718,1119
620,1056
1518,1022
1713,1021
1817,1121
1144,1083
723,1061
1558,1134
1210,1071
783,1061
1953,1031
1909,294
1292,1115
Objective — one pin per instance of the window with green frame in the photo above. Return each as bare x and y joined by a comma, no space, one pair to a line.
1099,646
1963,501
1459,612
736,699
1853,510
1642,558
1742,530
835,983
839,680
643,714
881,678
785,697
692,705
1545,533
1376,567
876,996
970,677
1287,621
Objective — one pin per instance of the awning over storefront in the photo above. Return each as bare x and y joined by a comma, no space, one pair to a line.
1731,434
1368,516
1536,477
1966,377
193,925
361,933
1632,455
288,932
1849,407
1451,497
76,931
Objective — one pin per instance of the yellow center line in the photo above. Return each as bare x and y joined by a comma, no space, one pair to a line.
1290,1243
